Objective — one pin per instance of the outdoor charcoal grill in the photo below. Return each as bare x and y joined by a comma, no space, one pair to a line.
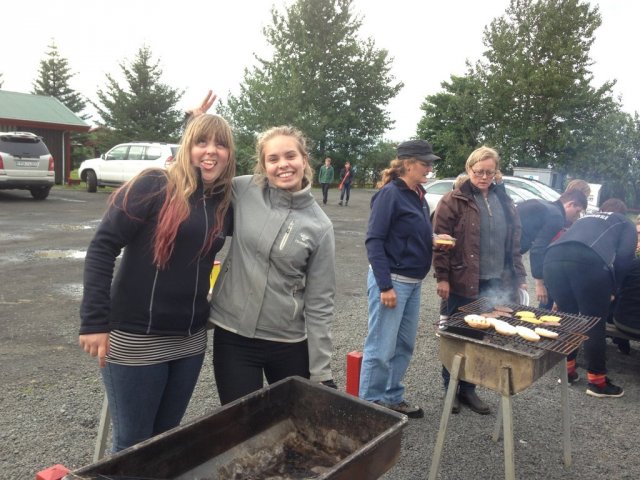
569,321
507,365
293,429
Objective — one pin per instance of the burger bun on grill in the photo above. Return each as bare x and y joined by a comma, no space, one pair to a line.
477,321
543,332
527,334
504,328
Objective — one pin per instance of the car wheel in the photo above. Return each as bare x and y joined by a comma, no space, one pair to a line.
92,181
40,193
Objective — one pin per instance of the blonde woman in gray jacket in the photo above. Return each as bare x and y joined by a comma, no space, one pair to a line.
272,306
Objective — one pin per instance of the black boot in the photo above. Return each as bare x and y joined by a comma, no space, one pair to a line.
471,399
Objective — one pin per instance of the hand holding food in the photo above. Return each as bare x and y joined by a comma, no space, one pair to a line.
443,241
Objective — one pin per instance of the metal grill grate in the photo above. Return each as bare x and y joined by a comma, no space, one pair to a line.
564,344
569,322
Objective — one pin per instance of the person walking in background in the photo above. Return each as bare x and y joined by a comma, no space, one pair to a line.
582,270
273,303
147,324
486,259
346,177
399,248
325,177
541,222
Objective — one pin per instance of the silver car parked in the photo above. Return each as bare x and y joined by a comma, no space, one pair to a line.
26,164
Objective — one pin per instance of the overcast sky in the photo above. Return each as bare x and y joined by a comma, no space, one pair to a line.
204,45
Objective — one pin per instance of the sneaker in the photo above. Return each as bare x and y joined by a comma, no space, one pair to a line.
573,377
340,203
608,391
411,411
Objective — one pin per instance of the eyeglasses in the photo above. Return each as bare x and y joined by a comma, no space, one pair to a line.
483,173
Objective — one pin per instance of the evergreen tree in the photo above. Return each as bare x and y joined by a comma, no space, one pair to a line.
454,121
322,78
144,109
537,76
531,96
53,81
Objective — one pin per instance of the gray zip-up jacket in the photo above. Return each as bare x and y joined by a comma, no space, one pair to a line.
278,279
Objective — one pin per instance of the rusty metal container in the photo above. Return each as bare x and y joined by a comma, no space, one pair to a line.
292,429
483,362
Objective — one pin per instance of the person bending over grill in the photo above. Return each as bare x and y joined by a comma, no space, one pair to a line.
486,258
541,222
582,270
399,246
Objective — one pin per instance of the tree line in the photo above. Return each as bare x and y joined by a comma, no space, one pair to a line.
531,96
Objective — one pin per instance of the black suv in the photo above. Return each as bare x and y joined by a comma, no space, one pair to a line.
26,164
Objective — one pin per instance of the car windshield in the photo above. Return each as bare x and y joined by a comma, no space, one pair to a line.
23,146
540,189
439,187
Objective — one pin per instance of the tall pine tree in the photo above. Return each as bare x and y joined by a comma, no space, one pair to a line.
53,80
144,109
322,78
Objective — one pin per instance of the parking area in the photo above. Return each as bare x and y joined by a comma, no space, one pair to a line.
52,393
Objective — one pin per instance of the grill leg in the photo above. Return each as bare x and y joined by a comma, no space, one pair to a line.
103,431
566,414
507,419
446,413
498,426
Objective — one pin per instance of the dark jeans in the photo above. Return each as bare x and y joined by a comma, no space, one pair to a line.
581,283
346,190
325,192
454,302
147,400
240,362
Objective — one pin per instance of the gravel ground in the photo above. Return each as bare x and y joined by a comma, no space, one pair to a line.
51,392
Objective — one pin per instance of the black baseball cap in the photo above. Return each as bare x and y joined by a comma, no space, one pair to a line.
418,149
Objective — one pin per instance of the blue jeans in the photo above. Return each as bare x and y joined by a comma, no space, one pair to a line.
147,400
346,190
390,342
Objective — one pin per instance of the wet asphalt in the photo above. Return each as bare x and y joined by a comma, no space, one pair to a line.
51,392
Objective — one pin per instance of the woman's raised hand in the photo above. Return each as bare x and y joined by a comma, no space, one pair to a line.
206,104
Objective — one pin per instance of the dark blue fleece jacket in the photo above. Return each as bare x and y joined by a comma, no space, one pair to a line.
399,237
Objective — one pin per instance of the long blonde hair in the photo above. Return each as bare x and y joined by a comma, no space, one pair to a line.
285,130
182,182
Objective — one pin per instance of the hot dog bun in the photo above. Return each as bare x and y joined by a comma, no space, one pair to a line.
543,332
504,328
527,334
477,321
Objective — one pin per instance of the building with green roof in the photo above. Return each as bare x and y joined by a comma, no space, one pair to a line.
47,117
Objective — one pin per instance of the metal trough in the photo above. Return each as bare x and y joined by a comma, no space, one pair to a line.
291,429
